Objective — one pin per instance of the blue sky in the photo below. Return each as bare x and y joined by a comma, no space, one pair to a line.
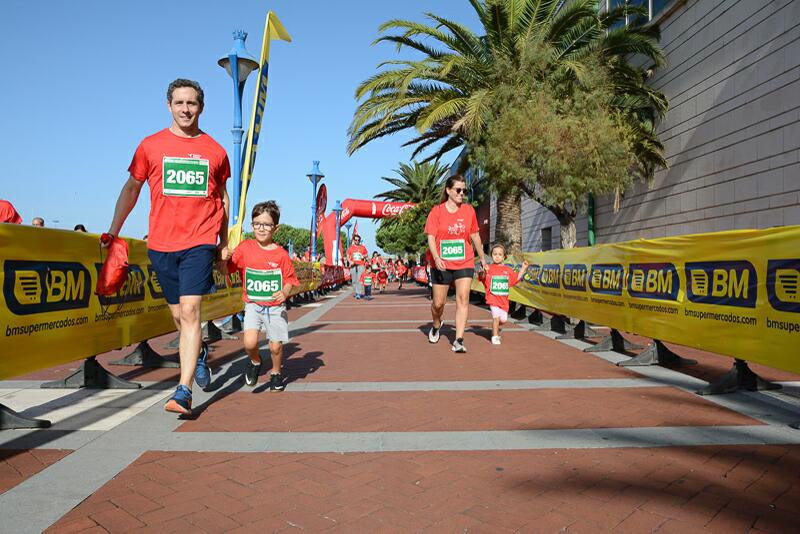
85,81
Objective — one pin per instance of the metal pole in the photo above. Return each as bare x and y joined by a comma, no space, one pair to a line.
336,242
237,136
314,176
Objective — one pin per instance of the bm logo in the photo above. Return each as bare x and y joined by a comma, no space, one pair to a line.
607,278
45,286
550,276
132,289
727,283
575,277
152,282
531,275
653,281
783,285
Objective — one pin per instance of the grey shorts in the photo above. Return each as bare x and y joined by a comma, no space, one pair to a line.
270,319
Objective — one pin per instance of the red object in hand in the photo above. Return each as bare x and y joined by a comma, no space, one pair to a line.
115,267
106,238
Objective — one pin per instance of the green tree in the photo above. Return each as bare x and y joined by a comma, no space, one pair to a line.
453,93
406,233
418,182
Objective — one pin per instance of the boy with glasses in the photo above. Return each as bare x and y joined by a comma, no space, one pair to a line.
268,279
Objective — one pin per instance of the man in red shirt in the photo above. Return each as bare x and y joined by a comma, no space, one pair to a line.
357,258
8,214
186,171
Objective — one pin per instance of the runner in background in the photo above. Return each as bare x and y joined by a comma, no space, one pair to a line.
367,281
401,270
37,221
8,214
383,276
450,226
498,279
269,278
357,258
186,171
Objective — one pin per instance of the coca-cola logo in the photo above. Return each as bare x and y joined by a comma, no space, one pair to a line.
394,210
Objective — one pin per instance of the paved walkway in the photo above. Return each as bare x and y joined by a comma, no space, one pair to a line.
379,431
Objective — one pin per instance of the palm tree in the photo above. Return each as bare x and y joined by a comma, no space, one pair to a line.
449,96
419,183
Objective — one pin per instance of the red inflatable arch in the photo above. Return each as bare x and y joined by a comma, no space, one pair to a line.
373,209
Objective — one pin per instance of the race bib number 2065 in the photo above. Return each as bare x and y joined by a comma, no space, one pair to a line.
185,177
261,284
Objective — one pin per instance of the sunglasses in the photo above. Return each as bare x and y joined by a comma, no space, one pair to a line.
459,190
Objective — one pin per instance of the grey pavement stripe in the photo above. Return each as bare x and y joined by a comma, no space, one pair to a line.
393,330
599,438
470,385
56,439
767,408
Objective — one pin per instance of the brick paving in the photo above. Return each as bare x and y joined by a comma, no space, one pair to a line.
702,488
19,465
687,489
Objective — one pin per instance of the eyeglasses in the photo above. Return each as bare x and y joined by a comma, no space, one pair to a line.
263,226
459,190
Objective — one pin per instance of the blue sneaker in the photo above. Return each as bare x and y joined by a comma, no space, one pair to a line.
358,297
202,374
180,402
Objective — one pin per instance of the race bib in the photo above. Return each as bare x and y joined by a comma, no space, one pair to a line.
184,177
499,285
357,256
367,280
260,285
452,249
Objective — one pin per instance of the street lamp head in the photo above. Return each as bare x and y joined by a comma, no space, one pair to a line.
247,63
338,207
315,172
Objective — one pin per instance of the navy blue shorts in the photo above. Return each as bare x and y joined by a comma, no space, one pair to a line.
185,272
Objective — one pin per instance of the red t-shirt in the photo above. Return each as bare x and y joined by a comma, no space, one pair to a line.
452,231
8,214
400,269
185,201
368,278
497,280
264,272
357,254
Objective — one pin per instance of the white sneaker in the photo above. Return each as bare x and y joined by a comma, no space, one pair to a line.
495,340
458,346
433,334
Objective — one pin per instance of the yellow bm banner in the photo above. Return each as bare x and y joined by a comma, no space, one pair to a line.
50,313
735,293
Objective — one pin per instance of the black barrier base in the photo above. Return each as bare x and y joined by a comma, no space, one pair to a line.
579,331
613,342
145,356
657,354
211,333
91,375
739,378
174,344
558,323
536,318
518,313
9,420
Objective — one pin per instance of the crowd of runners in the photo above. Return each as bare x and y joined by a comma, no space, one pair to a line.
186,172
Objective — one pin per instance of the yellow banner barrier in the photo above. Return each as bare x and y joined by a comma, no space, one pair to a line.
51,315
735,293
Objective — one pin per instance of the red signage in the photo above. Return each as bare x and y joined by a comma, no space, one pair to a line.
322,202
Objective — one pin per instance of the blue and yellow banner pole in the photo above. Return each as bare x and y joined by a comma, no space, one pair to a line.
273,30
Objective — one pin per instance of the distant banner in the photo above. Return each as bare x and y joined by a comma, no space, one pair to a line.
50,314
735,293
420,274
322,203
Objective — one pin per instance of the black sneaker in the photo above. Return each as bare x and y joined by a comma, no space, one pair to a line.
251,373
276,382
458,345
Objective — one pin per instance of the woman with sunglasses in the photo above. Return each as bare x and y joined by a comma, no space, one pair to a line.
451,226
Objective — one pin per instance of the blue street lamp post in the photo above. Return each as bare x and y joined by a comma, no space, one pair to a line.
338,211
348,225
239,64
315,176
